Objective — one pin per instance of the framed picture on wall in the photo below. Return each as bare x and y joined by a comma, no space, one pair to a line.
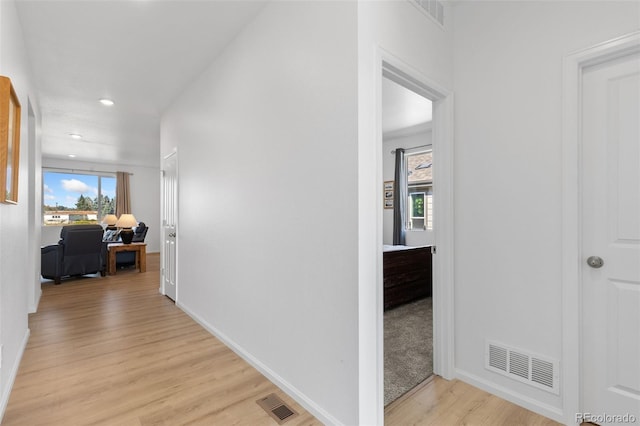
9,141
388,194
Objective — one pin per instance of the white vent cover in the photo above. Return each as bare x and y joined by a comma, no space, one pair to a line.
432,8
517,364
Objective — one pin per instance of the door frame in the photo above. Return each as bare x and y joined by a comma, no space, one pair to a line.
174,152
573,68
443,261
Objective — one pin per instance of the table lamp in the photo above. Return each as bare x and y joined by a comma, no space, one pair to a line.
126,222
110,220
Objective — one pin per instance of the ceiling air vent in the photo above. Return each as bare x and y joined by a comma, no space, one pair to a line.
432,8
537,371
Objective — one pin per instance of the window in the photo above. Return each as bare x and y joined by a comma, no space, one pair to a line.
77,198
420,190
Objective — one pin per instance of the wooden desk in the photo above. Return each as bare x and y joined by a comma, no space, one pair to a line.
140,249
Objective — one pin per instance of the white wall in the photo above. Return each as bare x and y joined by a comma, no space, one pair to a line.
413,237
400,30
16,281
508,77
34,140
267,233
145,197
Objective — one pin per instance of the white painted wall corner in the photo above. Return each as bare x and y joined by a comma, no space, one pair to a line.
527,402
12,377
290,390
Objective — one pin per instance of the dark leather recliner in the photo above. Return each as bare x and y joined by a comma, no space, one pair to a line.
128,258
80,251
140,233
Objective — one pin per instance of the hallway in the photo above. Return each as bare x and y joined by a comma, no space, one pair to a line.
112,350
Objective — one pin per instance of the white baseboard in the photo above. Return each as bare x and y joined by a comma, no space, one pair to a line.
12,377
529,403
289,389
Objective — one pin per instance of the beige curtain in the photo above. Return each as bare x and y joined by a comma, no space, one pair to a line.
123,193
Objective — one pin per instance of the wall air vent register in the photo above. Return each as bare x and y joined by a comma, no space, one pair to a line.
519,365
432,8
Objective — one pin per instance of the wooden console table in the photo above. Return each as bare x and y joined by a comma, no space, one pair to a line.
140,249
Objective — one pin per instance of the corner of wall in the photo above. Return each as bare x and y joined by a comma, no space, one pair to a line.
16,227
291,390
512,396
6,389
33,307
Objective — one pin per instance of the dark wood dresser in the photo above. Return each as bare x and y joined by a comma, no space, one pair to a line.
407,275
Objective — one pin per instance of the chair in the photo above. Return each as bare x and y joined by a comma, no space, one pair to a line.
125,258
80,251
140,233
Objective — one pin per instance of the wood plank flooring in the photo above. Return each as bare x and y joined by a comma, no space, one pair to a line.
113,351
442,402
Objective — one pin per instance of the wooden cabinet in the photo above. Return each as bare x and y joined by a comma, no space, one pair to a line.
407,275
140,250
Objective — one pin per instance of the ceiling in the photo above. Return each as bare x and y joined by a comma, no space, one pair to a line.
402,108
138,53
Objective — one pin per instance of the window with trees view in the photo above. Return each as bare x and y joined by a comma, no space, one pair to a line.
420,190
77,198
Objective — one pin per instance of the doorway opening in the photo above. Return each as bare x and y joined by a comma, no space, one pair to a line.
396,70
408,236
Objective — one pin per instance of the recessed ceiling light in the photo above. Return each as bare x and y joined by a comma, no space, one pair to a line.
75,136
71,156
107,102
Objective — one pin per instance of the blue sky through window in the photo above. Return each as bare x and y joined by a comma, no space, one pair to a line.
64,189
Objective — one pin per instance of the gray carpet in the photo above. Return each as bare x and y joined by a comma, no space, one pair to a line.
408,347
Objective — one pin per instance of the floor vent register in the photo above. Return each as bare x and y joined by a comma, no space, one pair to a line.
276,408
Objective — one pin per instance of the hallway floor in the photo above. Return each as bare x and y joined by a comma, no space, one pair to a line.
113,351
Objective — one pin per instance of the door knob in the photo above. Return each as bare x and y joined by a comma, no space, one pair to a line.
595,262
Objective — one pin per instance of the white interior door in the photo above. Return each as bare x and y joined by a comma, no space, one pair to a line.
610,182
169,225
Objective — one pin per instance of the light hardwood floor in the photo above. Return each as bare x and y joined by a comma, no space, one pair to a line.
113,351
441,402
